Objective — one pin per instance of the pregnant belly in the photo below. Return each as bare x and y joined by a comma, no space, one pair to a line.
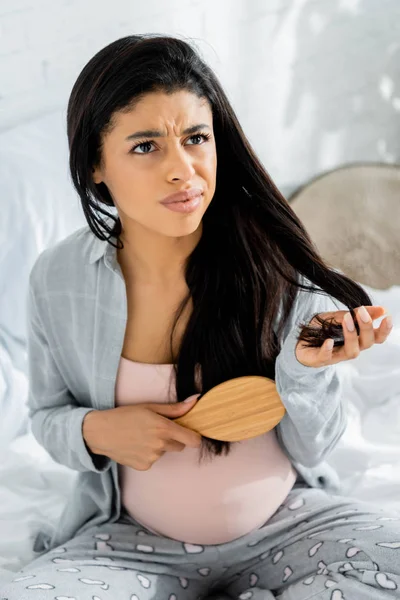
213,501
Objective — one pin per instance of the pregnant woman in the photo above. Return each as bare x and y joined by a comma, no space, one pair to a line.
192,270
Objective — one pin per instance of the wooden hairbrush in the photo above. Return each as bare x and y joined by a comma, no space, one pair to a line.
237,409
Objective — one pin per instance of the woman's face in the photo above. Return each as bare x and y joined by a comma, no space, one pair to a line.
140,172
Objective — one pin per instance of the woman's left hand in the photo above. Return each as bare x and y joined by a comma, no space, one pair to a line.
353,344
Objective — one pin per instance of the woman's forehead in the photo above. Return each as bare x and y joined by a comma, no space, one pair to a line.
159,111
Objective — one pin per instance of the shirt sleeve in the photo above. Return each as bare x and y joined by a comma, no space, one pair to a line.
315,416
56,416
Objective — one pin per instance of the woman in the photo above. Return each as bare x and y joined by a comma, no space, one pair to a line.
195,289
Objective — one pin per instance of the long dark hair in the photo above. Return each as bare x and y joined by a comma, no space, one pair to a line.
245,269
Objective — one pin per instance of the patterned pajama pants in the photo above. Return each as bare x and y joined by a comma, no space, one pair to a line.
315,546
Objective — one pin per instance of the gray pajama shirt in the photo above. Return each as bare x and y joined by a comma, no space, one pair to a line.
77,314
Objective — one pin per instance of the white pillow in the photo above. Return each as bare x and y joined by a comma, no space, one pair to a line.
39,206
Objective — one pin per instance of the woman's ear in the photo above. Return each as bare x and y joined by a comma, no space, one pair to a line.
96,175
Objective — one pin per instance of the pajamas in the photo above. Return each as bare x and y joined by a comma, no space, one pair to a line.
315,546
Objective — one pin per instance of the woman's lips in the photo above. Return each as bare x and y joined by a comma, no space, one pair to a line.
186,206
182,195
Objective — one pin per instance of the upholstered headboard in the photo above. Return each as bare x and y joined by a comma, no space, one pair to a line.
353,216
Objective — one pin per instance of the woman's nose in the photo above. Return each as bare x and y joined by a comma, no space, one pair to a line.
179,165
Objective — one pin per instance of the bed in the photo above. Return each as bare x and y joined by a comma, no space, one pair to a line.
41,208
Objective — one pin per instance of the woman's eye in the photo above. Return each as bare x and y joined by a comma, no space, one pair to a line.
203,136
142,145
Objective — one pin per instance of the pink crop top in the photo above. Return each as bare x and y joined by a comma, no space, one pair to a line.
213,502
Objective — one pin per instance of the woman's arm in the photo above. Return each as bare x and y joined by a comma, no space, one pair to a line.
315,416
56,416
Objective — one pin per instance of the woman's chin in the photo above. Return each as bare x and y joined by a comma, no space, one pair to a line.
187,227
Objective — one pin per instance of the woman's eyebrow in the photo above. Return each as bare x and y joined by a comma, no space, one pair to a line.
157,133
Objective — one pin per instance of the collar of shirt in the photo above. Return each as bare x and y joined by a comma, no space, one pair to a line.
101,248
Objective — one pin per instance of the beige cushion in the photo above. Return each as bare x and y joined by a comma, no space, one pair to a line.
353,216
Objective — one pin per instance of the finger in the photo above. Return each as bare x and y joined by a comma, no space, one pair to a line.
173,446
383,330
325,352
351,348
183,435
374,312
316,357
366,337
173,409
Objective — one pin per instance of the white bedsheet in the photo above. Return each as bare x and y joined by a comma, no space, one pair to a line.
34,489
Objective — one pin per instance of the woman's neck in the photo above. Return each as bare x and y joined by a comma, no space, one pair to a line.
154,259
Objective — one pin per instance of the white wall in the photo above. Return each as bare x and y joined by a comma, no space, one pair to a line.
315,83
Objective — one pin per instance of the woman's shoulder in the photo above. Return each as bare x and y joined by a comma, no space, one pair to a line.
64,262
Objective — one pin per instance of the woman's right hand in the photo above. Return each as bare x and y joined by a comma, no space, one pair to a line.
138,434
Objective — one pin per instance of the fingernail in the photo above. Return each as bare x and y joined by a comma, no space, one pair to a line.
349,322
191,398
389,322
362,311
329,344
